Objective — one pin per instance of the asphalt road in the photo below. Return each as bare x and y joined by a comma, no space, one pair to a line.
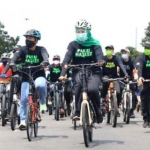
60,135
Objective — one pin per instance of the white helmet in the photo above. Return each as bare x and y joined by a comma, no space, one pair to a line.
83,24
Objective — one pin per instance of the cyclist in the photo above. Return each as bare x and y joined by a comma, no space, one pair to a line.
55,71
32,55
5,58
85,50
143,67
128,63
110,71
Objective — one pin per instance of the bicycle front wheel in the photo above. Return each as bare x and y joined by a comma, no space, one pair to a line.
13,116
127,111
3,113
57,100
29,123
85,123
114,110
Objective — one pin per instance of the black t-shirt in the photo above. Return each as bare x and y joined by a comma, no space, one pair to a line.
110,67
129,66
54,73
79,54
32,58
143,66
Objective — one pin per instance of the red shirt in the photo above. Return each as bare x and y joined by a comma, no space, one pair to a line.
9,72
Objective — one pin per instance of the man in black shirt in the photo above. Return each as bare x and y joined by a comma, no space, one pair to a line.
109,70
128,63
143,68
32,55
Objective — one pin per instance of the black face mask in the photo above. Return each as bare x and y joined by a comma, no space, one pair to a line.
29,43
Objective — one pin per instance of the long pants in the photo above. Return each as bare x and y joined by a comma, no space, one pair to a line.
93,91
41,87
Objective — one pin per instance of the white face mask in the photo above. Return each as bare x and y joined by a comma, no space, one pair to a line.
56,62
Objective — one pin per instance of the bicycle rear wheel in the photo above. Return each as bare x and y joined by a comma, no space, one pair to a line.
3,113
35,129
85,123
13,116
29,124
114,110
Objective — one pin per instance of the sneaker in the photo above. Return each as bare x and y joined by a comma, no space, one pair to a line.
43,108
77,116
22,125
132,115
145,124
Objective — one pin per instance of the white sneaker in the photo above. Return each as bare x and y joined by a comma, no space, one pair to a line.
22,125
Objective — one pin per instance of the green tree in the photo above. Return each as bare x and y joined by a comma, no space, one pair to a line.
133,52
147,34
6,42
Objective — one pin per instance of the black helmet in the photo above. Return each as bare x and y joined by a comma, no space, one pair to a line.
34,33
109,47
56,57
146,44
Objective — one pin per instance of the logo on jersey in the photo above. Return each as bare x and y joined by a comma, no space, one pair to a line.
83,53
56,70
148,63
110,65
32,59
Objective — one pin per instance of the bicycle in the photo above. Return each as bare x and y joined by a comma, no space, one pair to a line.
127,100
87,115
58,99
111,101
32,113
14,112
4,100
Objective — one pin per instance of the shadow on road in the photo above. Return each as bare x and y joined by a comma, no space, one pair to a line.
46,137
121,125
101,142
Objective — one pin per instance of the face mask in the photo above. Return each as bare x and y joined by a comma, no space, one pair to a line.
147,52
29,43
124,56
56,62
109,52
82,37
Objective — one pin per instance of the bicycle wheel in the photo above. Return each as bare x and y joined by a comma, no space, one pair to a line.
13,116
29,124
75,124
3,113
57,106
85,124
35,129
127,112
114,110
50,109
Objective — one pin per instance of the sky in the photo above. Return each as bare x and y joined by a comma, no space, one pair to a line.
113,21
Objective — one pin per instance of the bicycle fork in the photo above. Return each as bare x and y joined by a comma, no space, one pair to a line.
85,101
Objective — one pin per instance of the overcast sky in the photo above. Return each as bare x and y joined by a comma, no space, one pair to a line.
113,21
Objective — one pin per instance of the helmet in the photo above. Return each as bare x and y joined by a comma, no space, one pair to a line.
83,24
5,57
56,57
147,44
109,47
34,33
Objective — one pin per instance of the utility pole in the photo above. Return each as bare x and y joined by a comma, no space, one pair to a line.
136,38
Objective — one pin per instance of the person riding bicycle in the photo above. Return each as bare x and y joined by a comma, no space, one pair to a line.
128,63
143,70
55,71
109,70
85,50
5,58
32,55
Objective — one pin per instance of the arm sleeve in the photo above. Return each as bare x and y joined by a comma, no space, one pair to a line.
69,54
98,53
139,65
120,64
45,54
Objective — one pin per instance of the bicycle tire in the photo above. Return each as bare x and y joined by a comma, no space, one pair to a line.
75,124
13,116
29,124
57,107
85,124
3,113
114,110
50,110
35,129
128,109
